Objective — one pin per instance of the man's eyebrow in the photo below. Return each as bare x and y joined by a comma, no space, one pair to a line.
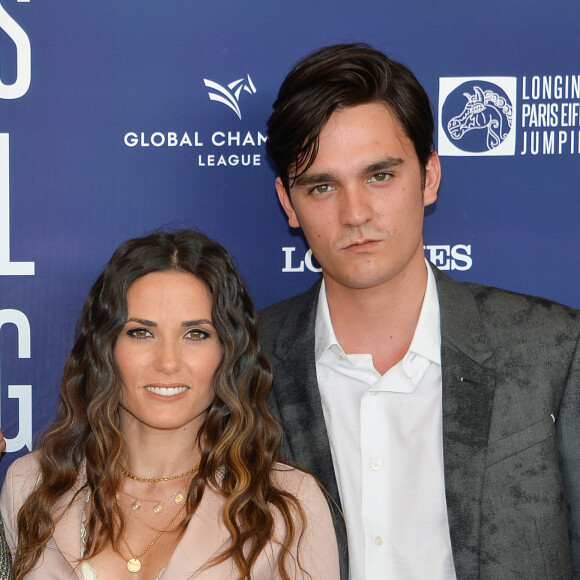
316,178
381,165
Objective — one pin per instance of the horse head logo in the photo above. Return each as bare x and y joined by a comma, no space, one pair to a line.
230,95
485,110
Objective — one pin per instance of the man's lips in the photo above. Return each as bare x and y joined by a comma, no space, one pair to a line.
361,245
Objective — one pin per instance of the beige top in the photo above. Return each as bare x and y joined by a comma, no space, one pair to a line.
204,537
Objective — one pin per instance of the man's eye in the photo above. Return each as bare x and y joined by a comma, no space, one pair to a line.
139,333
379,177
324,188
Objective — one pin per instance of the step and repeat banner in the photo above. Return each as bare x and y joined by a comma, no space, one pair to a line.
119,118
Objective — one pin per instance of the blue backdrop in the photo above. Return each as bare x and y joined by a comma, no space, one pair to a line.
117,118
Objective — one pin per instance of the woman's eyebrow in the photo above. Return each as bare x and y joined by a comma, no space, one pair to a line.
143,321
196,322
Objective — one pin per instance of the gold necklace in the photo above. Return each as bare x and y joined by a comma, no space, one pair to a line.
134,563
157,479
178,498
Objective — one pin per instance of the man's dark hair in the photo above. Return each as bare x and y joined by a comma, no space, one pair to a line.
336,77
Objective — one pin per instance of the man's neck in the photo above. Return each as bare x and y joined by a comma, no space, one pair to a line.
381,320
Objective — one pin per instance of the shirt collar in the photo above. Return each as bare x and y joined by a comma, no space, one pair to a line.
323,332
427,338
426,342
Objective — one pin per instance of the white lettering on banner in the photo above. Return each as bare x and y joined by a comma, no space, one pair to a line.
551,87
556,120
158,139
174,139
288,267
456,257
234,138
550,142
21,392
445,257
8,268
229,160
23,64
551,114
461,254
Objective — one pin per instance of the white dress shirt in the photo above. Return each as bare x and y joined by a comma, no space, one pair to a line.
386,438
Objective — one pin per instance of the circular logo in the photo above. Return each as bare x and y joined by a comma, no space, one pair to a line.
477,116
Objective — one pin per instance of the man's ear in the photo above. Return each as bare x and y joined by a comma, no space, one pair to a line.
432,179
286,202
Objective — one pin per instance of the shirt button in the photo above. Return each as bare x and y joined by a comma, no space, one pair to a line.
378,541
373,393
376,465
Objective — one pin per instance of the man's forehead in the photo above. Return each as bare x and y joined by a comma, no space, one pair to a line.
391,126
376,110
360,127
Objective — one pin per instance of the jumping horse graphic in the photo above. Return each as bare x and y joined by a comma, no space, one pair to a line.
483,110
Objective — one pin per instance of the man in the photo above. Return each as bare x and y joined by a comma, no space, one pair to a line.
442,417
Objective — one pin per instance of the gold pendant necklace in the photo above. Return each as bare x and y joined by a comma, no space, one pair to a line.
134,563
177,496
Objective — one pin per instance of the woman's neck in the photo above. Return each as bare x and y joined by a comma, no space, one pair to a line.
154,453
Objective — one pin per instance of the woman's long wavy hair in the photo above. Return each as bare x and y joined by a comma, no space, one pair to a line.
239,439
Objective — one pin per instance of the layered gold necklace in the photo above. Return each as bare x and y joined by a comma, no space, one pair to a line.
134,563
138,502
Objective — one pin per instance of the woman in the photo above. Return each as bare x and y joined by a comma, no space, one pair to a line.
163,460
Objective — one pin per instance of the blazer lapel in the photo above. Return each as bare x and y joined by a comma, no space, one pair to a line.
468,392
204,538
67,532
297,394
297,399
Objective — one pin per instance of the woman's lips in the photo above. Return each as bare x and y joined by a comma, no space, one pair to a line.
166,391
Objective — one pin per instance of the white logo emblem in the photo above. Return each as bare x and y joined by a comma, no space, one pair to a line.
230,95
477,116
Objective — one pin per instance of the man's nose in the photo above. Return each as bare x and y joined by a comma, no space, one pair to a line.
356,207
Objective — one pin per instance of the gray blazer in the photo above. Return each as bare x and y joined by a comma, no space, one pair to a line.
511,425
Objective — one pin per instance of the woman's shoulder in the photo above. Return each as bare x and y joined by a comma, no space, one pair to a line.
318,549
21,478
294,480
25,467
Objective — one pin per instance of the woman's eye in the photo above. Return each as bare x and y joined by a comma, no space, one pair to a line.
197,334
139,333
